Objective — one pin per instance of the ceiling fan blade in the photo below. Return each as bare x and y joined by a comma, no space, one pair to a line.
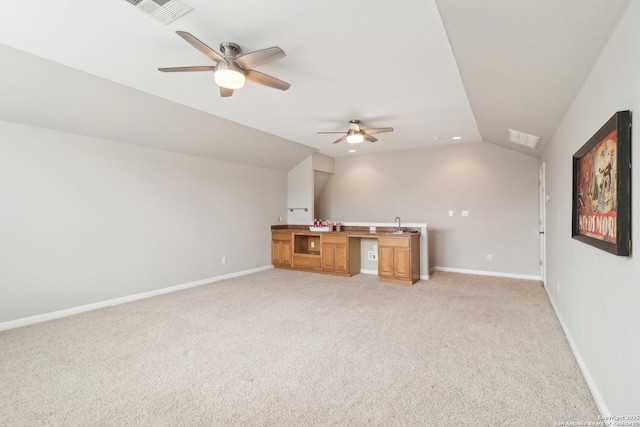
212,54
225,92
196,68
371,131
341,139
369,138
266,80
259,57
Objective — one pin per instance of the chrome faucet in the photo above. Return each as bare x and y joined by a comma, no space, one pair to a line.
398,221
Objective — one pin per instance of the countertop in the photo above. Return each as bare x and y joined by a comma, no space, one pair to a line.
350,231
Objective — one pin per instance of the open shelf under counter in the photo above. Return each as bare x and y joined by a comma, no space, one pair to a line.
307,244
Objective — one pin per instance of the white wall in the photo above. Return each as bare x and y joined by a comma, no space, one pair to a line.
300,192
323,163
323,168
599,297
85,220
499,188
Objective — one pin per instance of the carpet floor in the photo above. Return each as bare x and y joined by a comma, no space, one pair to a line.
287,348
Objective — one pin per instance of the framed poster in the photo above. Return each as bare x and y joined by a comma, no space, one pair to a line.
602,187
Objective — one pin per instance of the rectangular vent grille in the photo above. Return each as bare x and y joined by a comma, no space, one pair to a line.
164,11
522,138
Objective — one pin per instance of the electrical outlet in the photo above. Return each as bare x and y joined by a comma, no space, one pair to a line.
373,255
313,244
224,260
279,218
465,213
489,258
450,213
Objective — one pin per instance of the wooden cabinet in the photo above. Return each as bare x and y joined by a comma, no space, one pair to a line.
339,253
328,253
335,256
281,249
399,259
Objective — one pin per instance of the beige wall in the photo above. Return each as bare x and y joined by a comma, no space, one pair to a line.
596,294
498,187
84,220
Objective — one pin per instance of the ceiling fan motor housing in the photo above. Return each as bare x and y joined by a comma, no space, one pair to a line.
229,50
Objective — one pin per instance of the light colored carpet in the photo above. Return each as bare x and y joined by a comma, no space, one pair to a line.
286,348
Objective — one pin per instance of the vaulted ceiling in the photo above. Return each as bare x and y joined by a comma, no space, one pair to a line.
430,69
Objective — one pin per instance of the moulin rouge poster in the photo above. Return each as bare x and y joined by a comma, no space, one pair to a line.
597,192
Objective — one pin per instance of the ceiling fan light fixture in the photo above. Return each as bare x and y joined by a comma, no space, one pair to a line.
230,79
355,138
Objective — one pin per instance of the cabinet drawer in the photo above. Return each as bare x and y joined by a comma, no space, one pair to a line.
306,261
332,238
281,236
396,242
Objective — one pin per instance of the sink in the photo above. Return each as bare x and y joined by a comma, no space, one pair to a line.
398,232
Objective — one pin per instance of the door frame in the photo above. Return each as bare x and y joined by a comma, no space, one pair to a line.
542,223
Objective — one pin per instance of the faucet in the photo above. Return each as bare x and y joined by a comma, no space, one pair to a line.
398,221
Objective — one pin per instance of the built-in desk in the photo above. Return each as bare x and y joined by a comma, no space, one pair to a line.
338,252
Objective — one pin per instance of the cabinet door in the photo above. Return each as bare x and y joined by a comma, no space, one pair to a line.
402,263
276,252
329,256
280,252
342,262
285,254
385,261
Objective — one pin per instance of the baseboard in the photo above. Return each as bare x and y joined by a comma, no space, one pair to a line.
595,392
485,273
422,276
83,308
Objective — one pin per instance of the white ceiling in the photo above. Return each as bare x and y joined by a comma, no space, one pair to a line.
427,68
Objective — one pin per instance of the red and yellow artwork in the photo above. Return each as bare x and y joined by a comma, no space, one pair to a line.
597,192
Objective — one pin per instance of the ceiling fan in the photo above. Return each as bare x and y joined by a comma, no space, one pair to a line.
232,68
355,134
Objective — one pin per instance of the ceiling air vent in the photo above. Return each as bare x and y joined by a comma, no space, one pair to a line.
522,138
164,11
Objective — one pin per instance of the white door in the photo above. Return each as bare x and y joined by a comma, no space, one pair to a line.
542,226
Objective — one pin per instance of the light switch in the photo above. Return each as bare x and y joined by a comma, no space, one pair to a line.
450,213
465,213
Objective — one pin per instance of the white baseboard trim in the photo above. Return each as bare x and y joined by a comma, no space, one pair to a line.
595,392
83,308
485,273
422,276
